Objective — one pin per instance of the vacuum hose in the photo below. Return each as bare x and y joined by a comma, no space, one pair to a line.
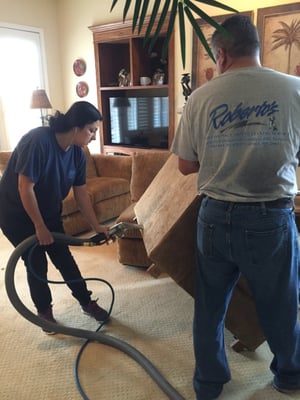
102,338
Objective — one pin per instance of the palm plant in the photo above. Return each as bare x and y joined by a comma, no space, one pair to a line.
286,37
160,9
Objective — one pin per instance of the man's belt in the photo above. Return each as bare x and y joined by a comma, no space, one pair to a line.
279,203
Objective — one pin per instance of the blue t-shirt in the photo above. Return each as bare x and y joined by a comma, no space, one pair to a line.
53,171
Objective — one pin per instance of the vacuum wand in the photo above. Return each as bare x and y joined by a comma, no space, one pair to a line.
115,230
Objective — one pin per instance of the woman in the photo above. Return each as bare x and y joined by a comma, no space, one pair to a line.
45,164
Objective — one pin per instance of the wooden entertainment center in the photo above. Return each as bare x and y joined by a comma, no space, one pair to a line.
116,47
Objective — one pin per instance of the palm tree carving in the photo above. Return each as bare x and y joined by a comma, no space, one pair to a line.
287,36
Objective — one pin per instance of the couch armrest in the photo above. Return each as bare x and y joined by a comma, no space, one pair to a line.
113,166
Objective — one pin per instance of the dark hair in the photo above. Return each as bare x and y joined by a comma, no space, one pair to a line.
79,114
241,39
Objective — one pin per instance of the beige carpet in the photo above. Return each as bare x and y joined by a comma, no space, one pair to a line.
153,315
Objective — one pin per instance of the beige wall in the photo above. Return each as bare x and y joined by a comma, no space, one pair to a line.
76,39
67,37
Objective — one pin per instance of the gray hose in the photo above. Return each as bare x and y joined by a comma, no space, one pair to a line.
102,338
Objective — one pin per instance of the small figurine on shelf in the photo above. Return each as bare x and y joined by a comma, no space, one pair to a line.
124,78
158,77
185,80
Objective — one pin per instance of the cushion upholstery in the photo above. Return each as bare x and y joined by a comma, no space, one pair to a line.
101,188
145,166
69,205
113,166
91,171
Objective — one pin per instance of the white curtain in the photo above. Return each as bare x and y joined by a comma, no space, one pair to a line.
21,72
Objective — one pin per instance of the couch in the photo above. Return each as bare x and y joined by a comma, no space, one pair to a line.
168,211
145,166
108,185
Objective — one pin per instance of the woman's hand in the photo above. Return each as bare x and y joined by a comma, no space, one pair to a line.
102,229
43,235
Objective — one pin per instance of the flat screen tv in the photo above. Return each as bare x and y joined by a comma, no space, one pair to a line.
139,121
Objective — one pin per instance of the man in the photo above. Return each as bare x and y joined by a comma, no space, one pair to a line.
241,132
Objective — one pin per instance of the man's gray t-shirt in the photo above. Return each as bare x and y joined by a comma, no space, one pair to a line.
244,129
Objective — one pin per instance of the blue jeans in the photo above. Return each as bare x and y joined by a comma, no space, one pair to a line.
261,244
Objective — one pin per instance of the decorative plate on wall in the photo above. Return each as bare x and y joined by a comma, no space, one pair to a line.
79,67
82,89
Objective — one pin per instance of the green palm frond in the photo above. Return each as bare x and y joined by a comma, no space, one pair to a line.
160,24
199,33
113,5
181,8
204,16
182,31
217,4
143,15
170,29
136,13
126,8
154,13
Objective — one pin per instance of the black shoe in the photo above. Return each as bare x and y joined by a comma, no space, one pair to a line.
48,316
93,310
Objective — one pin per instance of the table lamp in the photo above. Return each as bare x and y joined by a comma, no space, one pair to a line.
39,99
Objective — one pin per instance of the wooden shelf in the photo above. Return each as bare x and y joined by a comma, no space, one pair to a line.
127,150
136,87
117,47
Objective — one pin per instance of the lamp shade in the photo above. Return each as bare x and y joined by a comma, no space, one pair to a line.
39,99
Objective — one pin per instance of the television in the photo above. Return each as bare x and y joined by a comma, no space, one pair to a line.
139,121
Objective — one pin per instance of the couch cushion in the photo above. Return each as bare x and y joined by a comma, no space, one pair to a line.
102,188
99,189
132,252
128,215
75,224
69,204
113,165
145,165
91,171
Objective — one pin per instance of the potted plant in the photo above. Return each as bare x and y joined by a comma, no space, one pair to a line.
184,9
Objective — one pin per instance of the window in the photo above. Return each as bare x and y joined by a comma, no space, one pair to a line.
21,71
